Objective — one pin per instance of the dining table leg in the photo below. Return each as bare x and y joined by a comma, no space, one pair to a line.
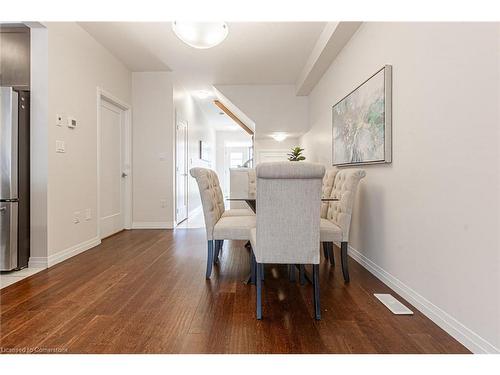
303,274
291,272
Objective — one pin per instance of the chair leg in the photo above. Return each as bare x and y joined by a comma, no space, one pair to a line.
262,271
259,291
302,275
218,247
329,249
291,272
210,258
343,254
325,249
317,307
253,266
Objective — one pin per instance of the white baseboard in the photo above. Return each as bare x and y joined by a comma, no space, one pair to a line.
37,262
152,225
452,326
45,262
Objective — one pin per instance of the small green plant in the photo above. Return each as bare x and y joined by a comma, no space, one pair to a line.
296,154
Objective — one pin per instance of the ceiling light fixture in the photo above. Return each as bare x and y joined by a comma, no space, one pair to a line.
200,35
279,137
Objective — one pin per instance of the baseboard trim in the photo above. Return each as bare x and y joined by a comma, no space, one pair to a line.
37,262
72,251
45,262
452,326
152,225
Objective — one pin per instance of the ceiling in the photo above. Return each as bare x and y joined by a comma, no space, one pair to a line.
253,53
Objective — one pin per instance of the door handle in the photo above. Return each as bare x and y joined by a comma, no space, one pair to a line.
2,209
124,175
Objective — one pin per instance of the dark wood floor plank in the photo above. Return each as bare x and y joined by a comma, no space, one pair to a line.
144,291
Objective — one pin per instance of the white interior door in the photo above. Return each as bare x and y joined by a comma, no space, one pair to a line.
181,172
112,169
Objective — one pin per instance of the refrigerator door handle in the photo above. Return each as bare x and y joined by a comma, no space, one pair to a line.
8,143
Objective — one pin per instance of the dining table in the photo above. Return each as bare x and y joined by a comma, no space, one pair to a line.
251,201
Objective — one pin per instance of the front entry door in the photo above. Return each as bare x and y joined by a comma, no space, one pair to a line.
112,171
181,172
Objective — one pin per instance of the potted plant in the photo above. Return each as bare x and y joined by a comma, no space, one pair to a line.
296,154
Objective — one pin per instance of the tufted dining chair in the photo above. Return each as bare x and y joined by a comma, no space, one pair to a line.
326,191
288,220
219,227
335,227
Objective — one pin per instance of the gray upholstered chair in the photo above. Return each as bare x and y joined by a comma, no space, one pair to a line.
335,227
219,227
288,220
326,191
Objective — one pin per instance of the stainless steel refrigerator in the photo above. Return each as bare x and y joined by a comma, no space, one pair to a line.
14,179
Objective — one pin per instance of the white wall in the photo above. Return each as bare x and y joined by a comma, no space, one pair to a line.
199,129
431,218
77,65
273,108
153,150
39,153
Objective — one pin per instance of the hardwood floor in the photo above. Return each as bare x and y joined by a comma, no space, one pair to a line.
144,291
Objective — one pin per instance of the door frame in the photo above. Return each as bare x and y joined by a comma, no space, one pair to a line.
186,187
105,96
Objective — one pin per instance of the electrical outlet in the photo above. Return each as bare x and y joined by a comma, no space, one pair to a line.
88,214
76,217
72,123
163,203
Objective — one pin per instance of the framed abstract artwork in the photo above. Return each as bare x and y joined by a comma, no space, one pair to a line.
362,121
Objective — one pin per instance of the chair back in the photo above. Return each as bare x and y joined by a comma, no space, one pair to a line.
344,188
288,212
212,199
328,181
252,182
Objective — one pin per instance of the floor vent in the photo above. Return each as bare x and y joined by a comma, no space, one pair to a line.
393,304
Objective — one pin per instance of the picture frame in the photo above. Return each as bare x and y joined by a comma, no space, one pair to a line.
204,151
362,122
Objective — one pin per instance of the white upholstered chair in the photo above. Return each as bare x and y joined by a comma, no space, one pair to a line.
288,219
335,226
219,226
326,191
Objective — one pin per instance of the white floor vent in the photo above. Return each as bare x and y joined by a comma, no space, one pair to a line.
393,304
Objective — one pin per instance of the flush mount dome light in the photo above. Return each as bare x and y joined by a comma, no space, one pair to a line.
279,137
200,34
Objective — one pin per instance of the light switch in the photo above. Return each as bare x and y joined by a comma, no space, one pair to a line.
60,147
76,217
